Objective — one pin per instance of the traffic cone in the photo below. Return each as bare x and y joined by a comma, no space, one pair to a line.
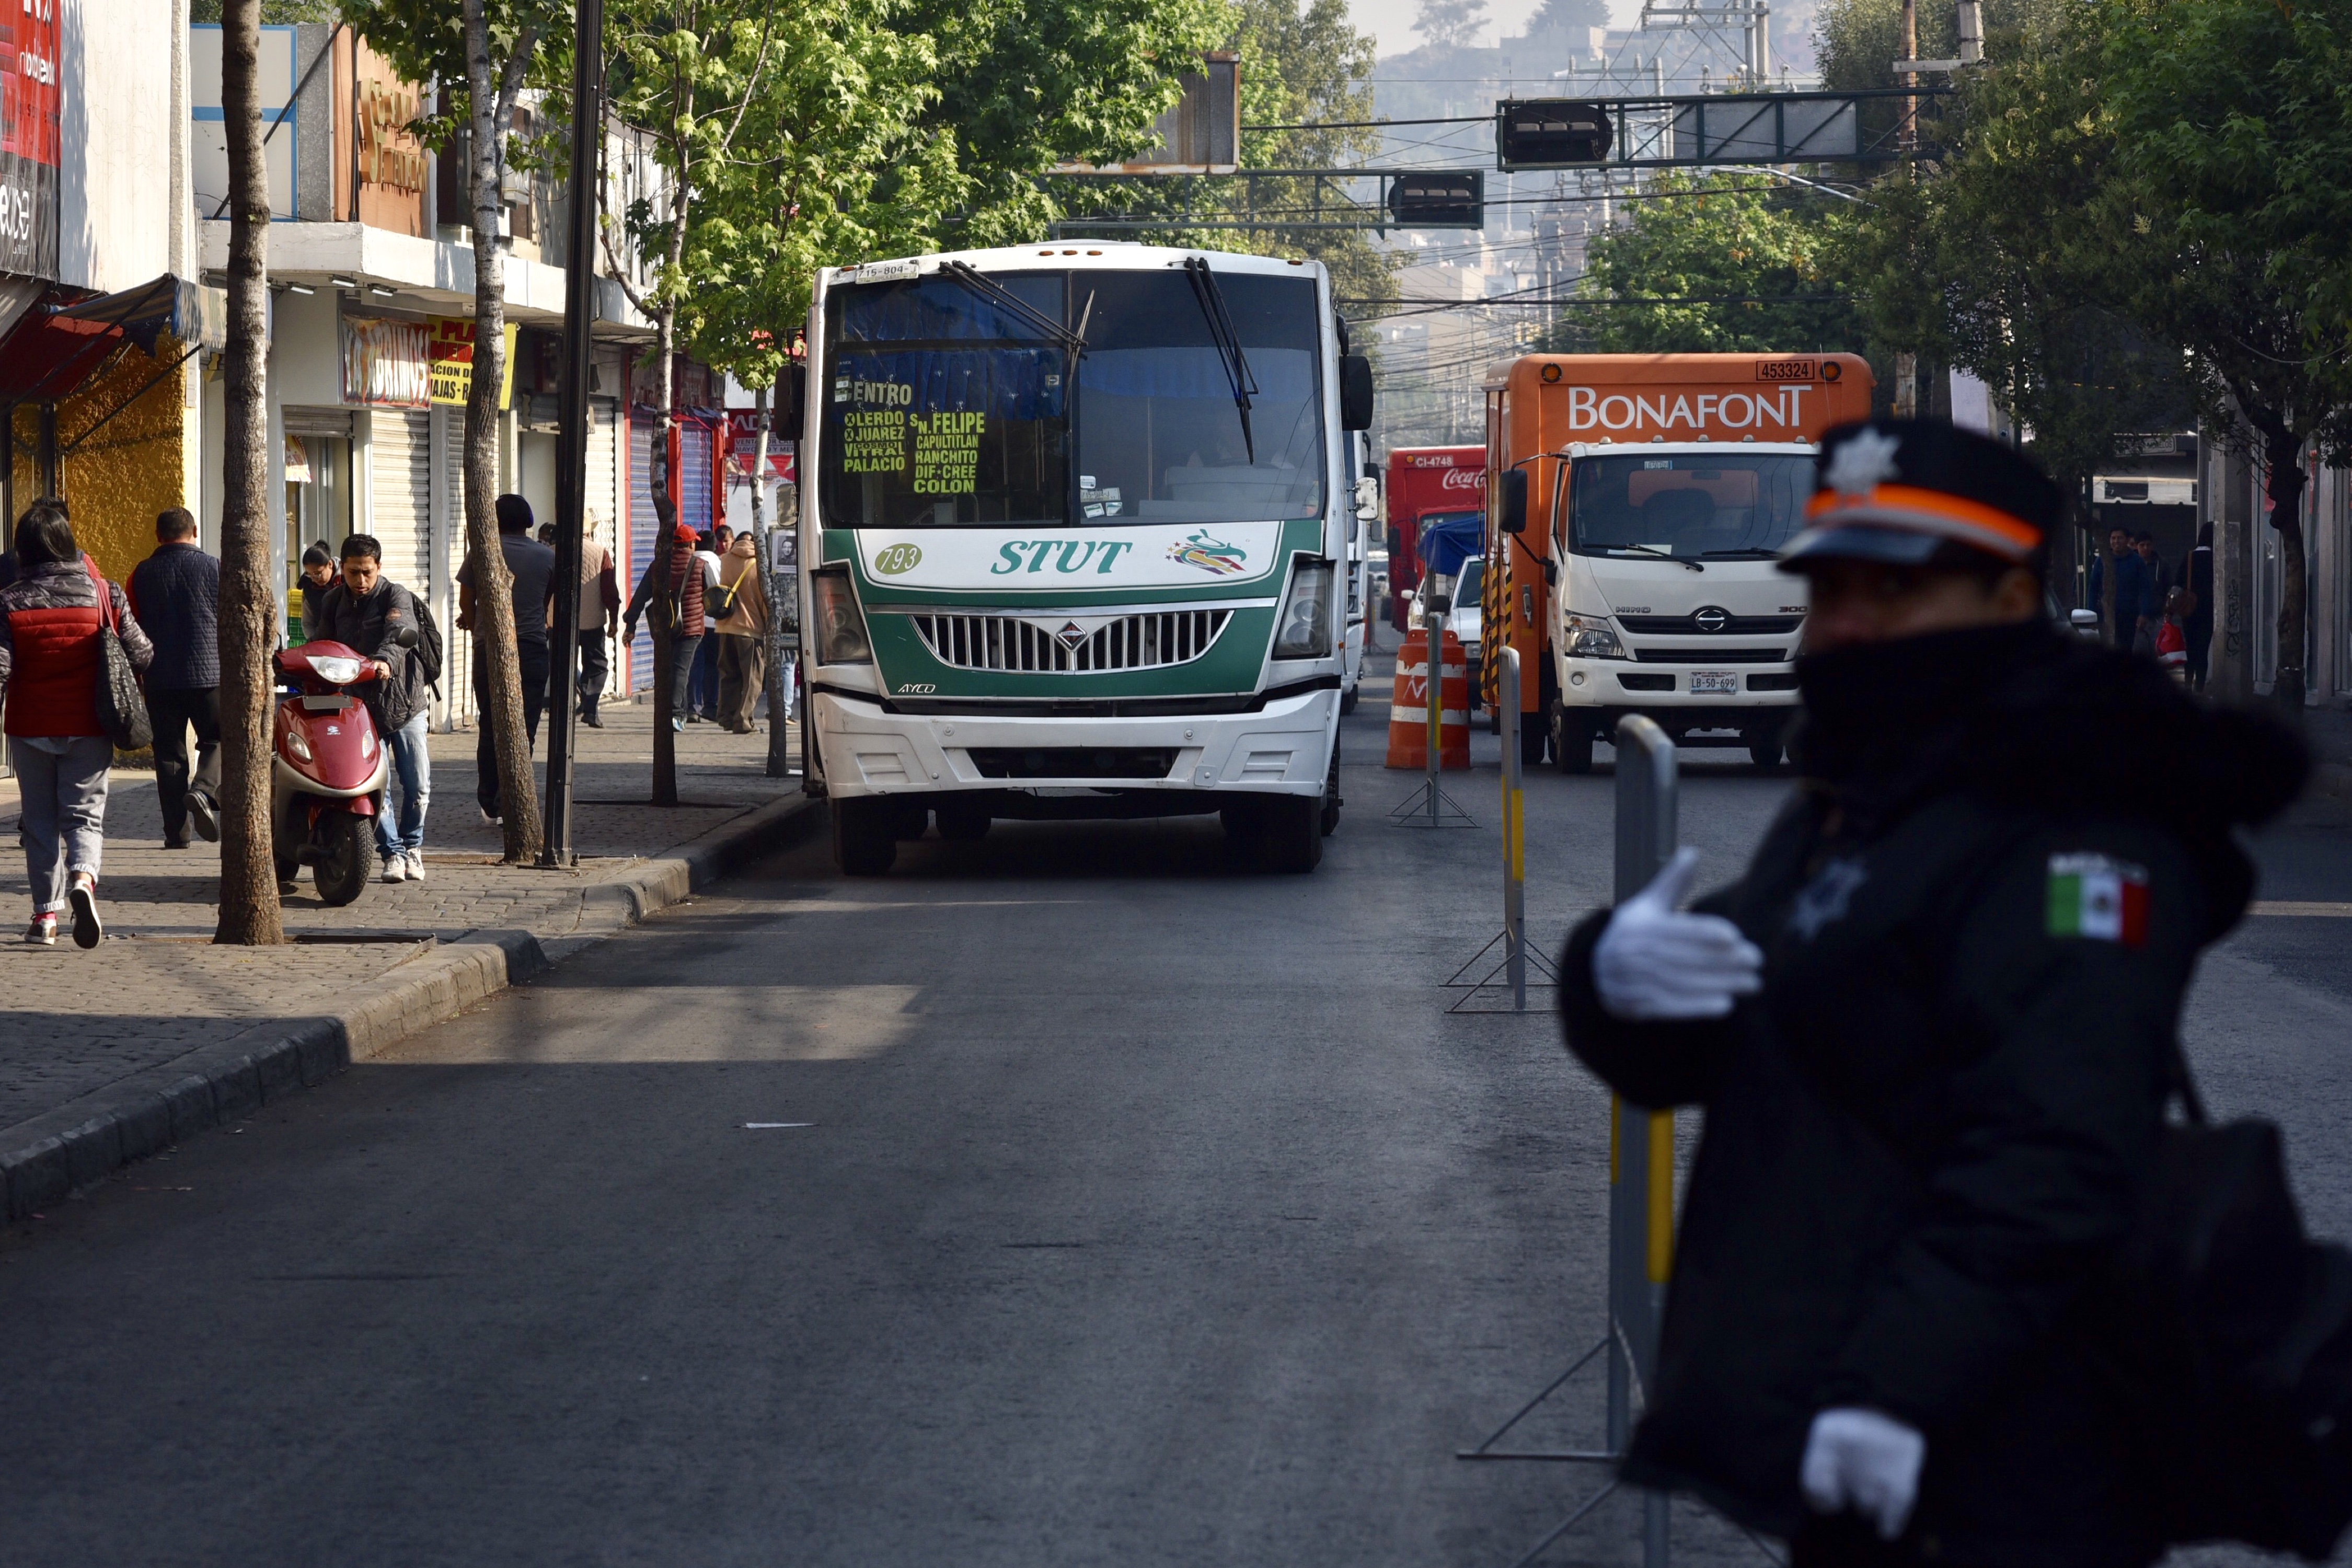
1409,705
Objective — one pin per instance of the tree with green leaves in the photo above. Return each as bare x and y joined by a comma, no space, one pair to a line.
1450,23
2228,217
1025,85
1988,265
1736,263
481,53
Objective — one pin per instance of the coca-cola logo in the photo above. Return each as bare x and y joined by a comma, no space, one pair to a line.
1464,479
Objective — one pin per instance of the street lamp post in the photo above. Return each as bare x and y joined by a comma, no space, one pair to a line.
574,417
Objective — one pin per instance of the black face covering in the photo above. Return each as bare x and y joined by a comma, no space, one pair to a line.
1891,708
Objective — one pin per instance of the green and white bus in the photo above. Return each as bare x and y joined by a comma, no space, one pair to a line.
1073,534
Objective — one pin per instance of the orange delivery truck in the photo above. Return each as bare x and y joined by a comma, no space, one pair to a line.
1635,503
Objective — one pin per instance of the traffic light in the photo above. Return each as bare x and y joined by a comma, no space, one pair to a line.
1439,199
1549,133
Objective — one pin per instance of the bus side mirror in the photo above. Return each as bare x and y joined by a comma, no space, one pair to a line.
1514,499
1355,393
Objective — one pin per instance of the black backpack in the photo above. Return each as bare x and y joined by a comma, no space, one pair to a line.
429,643
2228,1334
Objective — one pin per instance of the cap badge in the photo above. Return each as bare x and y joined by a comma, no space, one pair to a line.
1862,463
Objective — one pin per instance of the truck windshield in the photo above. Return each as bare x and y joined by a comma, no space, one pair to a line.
943,410
1693,507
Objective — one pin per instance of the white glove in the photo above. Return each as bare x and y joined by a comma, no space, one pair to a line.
1861,1460
1655,963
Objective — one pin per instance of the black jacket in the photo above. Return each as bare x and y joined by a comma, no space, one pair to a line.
1926,1135
175,593
365,624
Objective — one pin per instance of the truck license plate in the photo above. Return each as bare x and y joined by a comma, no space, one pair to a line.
1725,682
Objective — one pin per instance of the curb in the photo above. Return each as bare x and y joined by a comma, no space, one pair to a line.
53,1154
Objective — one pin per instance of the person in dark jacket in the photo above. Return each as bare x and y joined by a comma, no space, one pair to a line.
2196,576
175,594
1932,1028
366,610
686,581
318,576
49,621
530,570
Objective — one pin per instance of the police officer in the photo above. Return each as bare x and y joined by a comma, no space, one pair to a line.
1932,1028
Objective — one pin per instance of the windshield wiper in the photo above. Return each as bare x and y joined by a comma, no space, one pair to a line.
1653,551
1014,305
1752,552
1228,342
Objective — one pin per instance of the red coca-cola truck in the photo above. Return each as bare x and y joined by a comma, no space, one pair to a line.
1426,483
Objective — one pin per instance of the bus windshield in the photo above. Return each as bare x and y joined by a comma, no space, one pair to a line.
943,409
1691,506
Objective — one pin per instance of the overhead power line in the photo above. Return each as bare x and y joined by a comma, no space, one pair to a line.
1376,124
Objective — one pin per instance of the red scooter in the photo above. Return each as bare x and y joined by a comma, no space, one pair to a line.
326,784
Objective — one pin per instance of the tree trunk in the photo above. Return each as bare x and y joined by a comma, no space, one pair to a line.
779,757
250,602
2283,452
494,611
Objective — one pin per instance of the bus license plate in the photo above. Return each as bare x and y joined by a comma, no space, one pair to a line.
1725,682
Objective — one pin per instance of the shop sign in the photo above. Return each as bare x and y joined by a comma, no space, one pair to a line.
450,350
743,439
386,362
389,154
29,142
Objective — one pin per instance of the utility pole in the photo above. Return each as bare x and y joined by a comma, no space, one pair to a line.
573,417
1906,365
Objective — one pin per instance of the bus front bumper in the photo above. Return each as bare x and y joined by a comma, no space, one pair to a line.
1183,760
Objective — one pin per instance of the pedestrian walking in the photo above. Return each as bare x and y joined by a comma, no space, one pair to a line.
2152,585
175,593
318,576
742,636
50,666
2117,590
532,566
702,691
1932,1028
686,625
2172,640
600,618
366,610
2197,578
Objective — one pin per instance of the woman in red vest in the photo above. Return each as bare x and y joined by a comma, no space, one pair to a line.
49,670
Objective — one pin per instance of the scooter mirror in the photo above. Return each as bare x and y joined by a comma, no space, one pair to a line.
405,636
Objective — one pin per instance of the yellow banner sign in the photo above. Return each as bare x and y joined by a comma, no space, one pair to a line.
451,361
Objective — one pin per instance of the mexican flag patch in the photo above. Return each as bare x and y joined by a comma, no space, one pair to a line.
2094,897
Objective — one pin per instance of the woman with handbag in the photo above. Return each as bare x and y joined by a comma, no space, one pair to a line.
68,644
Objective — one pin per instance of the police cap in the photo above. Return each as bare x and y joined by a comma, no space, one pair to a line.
1914,493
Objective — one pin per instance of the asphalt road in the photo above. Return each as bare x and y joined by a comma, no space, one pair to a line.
1074,1198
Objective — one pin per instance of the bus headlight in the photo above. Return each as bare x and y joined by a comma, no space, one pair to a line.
1305,629
1589,636
840,624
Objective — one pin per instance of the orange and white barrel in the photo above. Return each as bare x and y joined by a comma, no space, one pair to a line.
1409,705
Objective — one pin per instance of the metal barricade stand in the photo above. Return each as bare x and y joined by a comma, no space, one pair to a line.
1430,806
1641,1178
1511,969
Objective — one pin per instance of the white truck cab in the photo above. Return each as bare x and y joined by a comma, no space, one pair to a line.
1668,600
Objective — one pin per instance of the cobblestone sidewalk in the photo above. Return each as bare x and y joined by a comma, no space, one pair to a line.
79,1030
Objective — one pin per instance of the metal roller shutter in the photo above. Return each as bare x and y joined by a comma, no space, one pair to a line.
400,463
643,526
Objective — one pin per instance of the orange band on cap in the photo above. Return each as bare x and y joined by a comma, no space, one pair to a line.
1937,503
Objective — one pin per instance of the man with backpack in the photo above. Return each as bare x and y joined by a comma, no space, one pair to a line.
1933,1028
365,611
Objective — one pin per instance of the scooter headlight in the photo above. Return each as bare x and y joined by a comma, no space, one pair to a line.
336,671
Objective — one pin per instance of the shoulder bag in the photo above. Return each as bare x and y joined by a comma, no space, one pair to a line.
121,708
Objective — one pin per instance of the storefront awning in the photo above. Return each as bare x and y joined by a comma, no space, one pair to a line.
196,315
59,343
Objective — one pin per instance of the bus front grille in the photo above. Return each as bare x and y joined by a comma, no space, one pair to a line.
1046,646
